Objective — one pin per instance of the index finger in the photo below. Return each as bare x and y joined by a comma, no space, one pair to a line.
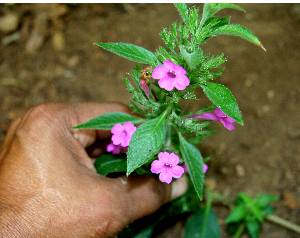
83,112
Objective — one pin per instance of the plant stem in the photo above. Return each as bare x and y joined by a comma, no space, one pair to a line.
239,231
206,212
280,221
167,141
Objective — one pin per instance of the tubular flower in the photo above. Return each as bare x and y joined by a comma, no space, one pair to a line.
167,167
122,133
218,115
171,75
145,88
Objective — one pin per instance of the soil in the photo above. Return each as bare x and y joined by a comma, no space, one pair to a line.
48,55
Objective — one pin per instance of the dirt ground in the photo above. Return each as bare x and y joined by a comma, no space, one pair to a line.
47,54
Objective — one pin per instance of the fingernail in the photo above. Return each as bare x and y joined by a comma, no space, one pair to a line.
179,187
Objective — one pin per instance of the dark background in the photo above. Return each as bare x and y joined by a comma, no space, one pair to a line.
47,54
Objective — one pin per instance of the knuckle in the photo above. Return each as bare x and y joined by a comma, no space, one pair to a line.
37,120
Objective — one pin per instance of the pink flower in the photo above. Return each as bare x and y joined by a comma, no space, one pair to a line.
217,116
122,134
167,167
114,149
145,88
205,167
171,75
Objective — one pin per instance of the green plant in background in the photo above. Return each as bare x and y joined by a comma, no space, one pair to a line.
163,139
250,213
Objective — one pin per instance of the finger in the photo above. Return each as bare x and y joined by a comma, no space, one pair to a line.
84,112
146,194
9,135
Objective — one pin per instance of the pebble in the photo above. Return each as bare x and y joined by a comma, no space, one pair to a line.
290,200
58,41
14,37
9,22
240,171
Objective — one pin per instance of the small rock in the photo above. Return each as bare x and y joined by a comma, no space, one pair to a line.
38,35
58,41
290,200
9,22
16,36
270,94
73,61
240,170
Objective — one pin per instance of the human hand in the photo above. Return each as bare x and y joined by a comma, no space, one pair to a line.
50,188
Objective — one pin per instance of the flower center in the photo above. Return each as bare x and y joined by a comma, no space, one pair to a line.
168,165
124,134
171,74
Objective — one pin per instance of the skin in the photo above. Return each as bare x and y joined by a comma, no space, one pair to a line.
50,188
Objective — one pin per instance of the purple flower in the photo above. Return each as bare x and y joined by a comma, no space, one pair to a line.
167,167
171,75
122,134
218,115
205,167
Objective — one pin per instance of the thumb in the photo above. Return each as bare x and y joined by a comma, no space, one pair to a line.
144,195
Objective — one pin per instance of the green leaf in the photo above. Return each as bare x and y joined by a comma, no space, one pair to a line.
106,164
264,199
237,214
108,120
223,99
209,9
253,228
194,163
246,198
217,22
145,233
192,59
183,11
237,30
130,51
146,142
257,213
193,226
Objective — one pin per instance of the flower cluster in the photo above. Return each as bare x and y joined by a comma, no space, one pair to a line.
121,137
218,115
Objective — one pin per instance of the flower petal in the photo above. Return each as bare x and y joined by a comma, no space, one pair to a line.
129,128
169,65
206,116
117,129
165,176
179,70
173,159
159,72
227,124
220,113
163,157
181,82
167,84
117,139
157,166
177,171
205,167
